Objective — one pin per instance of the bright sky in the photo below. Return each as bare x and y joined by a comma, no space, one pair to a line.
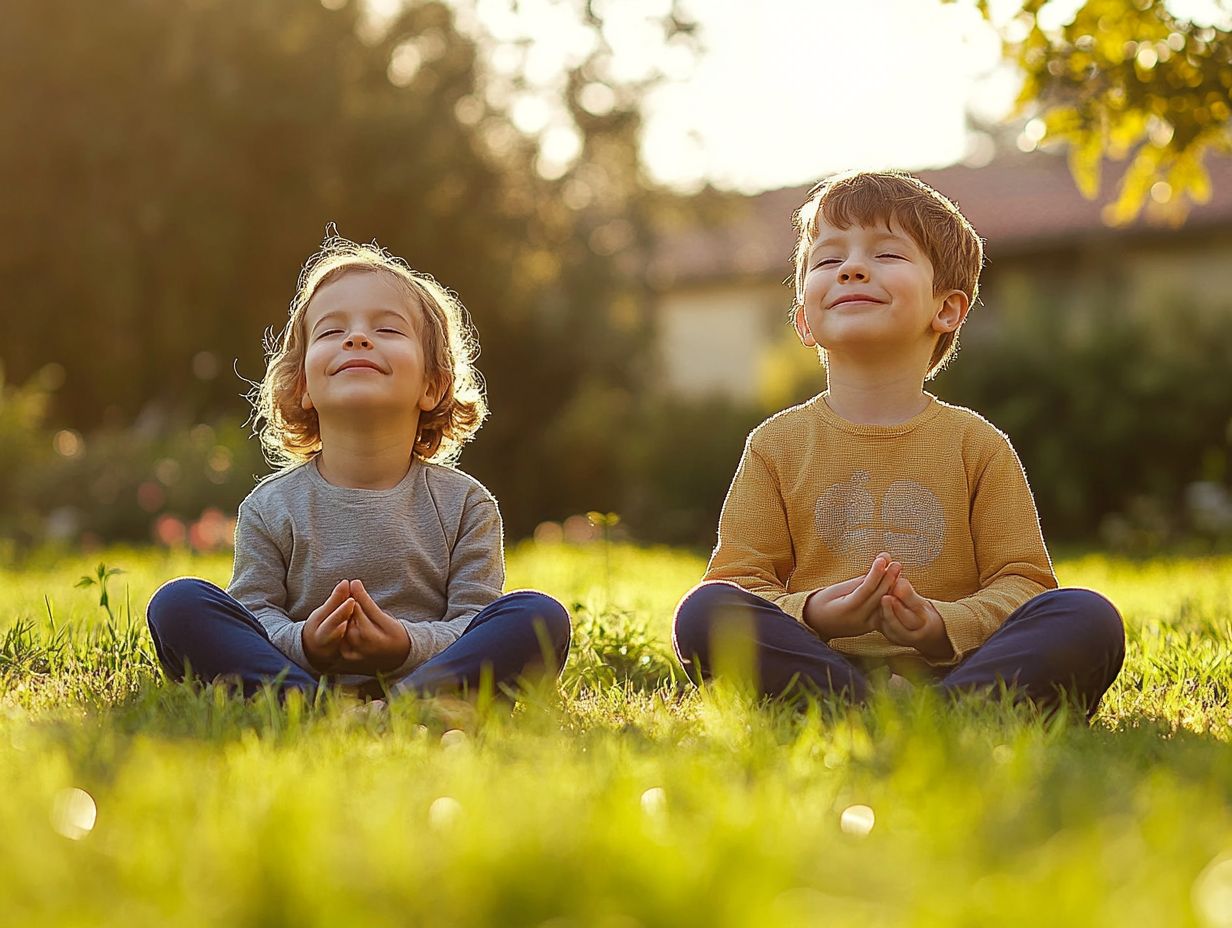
785,90
805,88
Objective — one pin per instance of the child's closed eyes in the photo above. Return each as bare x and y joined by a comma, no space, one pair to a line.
826,262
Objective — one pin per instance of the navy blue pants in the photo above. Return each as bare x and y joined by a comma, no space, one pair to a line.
1063,641
196,625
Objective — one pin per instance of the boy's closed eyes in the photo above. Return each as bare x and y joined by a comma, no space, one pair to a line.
887,246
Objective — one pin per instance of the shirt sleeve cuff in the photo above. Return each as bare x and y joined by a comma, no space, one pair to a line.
793,605
290,641
426,643
961,628
429,639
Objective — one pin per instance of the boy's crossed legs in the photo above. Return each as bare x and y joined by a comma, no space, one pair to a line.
1068,639
195,623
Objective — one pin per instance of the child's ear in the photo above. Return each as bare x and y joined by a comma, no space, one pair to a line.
434,389
301,387
953,310
802,328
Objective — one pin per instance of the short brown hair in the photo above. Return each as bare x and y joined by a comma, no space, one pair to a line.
868,198
290,434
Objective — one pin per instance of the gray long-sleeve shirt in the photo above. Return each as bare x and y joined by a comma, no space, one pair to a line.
429,551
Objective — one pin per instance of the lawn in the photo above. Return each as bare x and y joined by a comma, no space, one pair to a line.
623,799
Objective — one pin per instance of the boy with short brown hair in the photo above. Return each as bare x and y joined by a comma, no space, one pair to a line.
875,524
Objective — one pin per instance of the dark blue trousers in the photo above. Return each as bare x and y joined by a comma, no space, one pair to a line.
197,626
1066,641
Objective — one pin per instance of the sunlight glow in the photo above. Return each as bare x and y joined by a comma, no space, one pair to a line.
1212,893
654,802
808,87
559,148
404,64
444,812
68,443
857,820
73,813
802,89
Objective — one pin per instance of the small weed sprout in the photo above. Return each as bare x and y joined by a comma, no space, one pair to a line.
102,574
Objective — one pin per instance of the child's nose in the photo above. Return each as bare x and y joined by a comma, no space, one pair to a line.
358,340
852,272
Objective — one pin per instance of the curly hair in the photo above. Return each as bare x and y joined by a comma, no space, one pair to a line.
290,434
875,197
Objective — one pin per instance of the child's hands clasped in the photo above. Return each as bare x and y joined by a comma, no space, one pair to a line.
882,600
852,607
325,628
374,640
349,632
908,619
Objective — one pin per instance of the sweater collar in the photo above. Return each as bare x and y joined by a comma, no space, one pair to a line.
830,417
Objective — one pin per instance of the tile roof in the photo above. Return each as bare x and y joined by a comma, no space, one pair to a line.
1016,203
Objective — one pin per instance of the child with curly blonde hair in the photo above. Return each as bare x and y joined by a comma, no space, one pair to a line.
368,556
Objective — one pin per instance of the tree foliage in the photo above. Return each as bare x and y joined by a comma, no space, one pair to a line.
1131,81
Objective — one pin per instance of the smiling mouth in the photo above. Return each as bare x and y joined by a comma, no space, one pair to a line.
856,302
359,367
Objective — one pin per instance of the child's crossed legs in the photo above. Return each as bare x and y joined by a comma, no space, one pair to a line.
1066,640
195,623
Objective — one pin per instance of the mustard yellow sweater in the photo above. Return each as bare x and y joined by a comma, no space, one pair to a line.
816,497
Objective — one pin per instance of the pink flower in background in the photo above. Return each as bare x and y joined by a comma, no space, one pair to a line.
169,531
211,531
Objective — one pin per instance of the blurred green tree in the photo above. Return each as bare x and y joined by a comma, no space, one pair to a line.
1126,80
167,168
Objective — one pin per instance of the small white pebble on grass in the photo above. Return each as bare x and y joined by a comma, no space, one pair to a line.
454,738
857,820
444,812
1212,893
73,813
654,801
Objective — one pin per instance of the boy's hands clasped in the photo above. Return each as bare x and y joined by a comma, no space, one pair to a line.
349,632
852,607
908,619
882,600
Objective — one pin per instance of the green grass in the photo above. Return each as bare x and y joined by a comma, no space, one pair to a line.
625,798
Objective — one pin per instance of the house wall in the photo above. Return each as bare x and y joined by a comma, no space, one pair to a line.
1142,278
712,337
1196,270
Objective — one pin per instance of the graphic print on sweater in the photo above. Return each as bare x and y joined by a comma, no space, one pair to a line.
909,523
